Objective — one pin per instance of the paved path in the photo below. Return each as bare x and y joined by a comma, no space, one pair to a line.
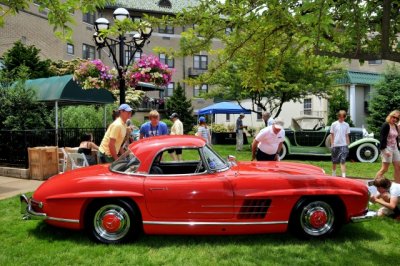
10,186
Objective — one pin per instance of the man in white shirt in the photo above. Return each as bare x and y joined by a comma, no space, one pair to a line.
176,129
268,143
388,197
340,140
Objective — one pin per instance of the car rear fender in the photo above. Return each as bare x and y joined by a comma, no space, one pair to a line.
96,194
364,140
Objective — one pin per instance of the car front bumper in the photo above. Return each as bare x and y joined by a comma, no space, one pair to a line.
363,218
27,210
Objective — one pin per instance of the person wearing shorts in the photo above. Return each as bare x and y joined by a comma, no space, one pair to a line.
389,145
388,197
340,140
176,129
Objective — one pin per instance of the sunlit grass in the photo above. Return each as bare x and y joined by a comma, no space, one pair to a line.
35,243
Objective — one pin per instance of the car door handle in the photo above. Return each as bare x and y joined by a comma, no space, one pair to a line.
158,188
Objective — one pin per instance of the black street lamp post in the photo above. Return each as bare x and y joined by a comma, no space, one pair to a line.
134,45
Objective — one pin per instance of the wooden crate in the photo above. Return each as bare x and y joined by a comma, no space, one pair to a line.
43,162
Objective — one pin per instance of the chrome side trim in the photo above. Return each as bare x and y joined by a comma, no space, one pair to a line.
63,220
212,223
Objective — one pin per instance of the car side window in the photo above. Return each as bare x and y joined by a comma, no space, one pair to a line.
127,163
181,161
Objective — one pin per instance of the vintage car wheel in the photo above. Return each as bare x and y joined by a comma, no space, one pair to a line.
283,152
112,221
314,219
367,153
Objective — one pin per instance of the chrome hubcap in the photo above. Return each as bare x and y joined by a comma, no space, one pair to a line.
317,218
112,222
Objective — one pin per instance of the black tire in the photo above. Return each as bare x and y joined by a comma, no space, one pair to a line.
315,218
112,221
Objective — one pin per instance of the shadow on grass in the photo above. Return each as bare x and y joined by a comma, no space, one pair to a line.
350,232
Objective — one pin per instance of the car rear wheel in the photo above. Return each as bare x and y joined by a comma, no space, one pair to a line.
367,153
112,222
314,218
283,152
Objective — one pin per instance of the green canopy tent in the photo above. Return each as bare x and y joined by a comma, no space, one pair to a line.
63,91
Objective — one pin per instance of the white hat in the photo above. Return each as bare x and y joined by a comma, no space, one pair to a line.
278,123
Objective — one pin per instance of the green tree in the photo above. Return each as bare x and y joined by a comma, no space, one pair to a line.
384,99
59,13
178,103
23,59
86,116
20,110
337,102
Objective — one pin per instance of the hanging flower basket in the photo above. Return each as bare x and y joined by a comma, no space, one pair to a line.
96,75
148,69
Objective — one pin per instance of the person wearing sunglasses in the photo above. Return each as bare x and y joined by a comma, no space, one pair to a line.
390,145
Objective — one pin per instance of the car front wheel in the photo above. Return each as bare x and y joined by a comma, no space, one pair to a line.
314,219
112,222
367,153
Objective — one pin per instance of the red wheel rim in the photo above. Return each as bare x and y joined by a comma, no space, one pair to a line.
318,219
111,223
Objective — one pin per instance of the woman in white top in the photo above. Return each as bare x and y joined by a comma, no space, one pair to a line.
203,130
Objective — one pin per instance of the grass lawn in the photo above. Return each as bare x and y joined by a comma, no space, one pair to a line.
35,243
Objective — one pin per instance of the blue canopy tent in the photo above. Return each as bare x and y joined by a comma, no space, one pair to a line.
223,108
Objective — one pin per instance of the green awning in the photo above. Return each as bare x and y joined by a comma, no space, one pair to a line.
65,91
358,77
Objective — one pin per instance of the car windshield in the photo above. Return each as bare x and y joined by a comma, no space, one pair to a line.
126,163
214,161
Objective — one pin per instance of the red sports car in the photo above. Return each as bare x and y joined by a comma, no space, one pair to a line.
146,191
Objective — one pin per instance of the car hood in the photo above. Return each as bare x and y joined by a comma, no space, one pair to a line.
249,168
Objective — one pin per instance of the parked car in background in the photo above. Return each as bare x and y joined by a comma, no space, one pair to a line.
308,135
145,191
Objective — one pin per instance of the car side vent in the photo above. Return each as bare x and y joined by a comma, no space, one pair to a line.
254,209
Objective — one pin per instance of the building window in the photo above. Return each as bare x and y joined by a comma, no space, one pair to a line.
200,62
136,19
170,89
165,3
167,60
166,29
135,58
375,62
200,89
307,106
228,117
259,113
89,18
88,51
70,48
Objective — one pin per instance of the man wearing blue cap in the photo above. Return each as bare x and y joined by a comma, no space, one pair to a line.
115,136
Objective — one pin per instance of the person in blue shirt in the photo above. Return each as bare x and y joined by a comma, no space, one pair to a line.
154,127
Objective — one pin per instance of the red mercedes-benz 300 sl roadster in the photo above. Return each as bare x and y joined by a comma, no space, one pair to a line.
146,191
